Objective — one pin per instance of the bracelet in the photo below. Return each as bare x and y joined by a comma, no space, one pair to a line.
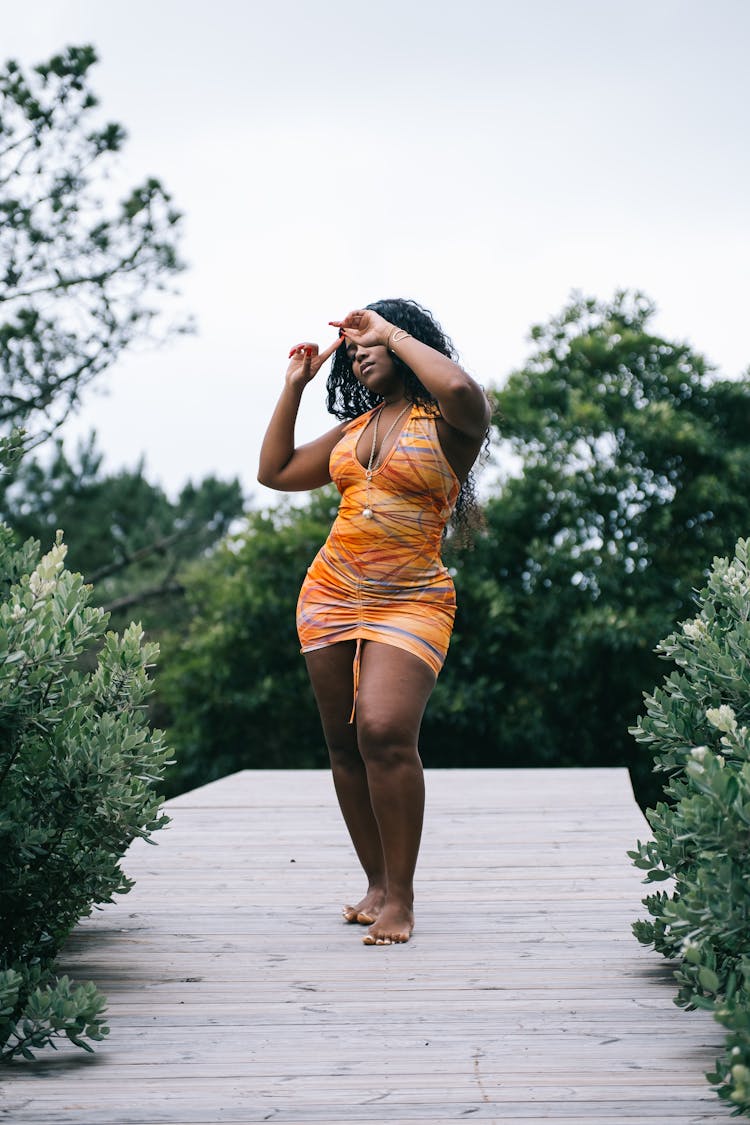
395,338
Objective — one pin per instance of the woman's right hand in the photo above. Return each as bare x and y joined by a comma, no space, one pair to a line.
305,361
283,464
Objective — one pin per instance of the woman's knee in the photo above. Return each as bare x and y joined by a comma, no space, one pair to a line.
383,741
345,759
342,748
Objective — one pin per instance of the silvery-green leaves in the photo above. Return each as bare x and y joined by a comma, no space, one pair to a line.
78,770
698,727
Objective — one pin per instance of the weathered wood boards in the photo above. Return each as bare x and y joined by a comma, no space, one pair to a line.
236,993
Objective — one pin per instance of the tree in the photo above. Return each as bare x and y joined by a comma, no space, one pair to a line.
127,536
634,462
78,273
234,686
78,282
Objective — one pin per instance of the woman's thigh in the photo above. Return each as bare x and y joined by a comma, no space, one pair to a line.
394,686
331,675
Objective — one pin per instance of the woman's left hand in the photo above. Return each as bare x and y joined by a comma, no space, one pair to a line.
365,327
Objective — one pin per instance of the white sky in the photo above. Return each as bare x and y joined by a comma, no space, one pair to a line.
483,158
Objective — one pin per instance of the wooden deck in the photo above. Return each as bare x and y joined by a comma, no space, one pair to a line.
236,993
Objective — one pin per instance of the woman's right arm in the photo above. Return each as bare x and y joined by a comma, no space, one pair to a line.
282,465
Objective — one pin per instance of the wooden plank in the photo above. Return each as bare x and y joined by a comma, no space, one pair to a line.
236,994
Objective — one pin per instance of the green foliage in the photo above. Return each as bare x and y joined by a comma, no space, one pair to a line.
78,766
81,279
79,273
633,462
235,685
49,1010
697,726
127,536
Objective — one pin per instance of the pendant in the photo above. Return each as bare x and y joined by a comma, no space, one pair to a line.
367,513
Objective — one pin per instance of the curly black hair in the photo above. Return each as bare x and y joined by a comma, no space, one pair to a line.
348,398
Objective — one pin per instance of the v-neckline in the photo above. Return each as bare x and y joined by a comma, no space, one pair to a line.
381,463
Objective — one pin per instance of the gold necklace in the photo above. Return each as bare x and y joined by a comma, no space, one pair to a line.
372,463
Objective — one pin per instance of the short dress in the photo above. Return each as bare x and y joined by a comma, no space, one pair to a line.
379,575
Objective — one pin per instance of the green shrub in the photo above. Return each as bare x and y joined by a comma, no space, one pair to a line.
78,766
697,727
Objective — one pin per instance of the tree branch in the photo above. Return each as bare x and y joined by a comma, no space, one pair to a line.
159,547
150,594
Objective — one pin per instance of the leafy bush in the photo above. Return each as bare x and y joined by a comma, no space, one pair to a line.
697,726
78,766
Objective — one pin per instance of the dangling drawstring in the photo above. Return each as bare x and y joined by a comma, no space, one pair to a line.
355,670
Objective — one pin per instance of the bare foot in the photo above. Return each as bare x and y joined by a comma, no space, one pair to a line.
393,926
367,909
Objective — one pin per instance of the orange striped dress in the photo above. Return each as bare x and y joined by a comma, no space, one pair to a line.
381,578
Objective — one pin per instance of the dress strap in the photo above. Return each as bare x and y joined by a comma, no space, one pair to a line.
355,672
360,420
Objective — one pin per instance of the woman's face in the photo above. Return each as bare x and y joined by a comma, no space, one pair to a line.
373,367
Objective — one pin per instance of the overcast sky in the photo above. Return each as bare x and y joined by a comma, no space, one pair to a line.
483,158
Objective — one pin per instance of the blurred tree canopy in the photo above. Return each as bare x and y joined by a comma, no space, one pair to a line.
126,535
233,685
79,271
634,462
634,468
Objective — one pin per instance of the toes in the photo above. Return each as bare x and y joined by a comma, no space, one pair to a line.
351,914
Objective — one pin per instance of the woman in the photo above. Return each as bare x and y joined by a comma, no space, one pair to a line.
376,608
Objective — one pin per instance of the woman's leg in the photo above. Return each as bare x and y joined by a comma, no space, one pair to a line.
330,672
394,688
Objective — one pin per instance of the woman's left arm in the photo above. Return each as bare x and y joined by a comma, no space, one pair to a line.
463,404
